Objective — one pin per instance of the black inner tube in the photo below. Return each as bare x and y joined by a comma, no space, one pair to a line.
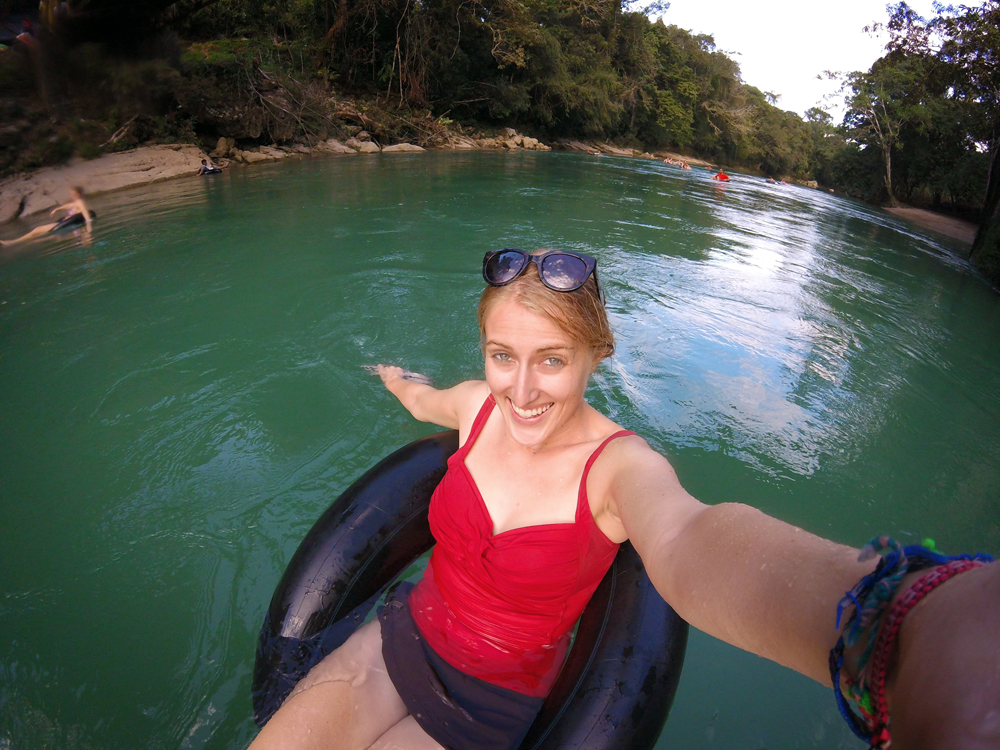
616,687
72,221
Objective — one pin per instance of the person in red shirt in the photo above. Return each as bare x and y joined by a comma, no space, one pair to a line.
721,176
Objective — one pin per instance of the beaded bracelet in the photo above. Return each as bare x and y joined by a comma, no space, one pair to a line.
870,598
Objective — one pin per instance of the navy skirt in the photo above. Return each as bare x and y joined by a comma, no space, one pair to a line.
459,711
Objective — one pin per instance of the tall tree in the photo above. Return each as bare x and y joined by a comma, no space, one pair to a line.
882,101
972,47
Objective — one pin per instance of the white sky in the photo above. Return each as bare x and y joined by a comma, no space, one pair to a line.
782,45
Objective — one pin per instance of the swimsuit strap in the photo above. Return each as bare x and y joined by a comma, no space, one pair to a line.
595,455
477,426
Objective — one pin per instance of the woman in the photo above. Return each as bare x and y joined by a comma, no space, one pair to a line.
527,520
76,207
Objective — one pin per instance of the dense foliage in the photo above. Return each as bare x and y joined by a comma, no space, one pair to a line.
921,125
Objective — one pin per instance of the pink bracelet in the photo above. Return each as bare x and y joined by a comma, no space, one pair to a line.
887,636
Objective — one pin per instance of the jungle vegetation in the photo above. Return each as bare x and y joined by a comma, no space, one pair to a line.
922,125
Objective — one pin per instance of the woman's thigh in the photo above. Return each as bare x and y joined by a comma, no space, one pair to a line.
346,702
406,735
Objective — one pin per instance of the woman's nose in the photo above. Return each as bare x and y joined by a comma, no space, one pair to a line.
524,386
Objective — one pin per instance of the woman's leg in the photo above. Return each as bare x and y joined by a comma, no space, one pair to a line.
346,702
36,232
406,735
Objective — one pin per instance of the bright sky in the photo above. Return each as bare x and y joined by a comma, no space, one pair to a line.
782,45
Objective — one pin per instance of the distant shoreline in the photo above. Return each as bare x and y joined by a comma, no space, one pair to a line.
28,194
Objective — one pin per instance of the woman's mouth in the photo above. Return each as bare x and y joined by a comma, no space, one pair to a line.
528,413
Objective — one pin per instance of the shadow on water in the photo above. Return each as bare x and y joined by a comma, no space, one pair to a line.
184,397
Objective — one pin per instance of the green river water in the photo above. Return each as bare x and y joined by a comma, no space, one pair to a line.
182,398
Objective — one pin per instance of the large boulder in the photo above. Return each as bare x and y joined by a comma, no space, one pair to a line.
255,157
615,151
333,146
367,147
223,147
401,147
462,143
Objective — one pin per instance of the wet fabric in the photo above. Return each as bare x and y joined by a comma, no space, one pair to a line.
455,709
501,607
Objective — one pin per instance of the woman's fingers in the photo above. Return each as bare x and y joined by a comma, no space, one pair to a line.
389,373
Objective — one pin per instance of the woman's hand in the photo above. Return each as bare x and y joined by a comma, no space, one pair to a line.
389,374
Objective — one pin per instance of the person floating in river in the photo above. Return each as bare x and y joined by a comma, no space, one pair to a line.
721,176
207,168
528,518
77,215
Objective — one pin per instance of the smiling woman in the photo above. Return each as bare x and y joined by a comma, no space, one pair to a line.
527,520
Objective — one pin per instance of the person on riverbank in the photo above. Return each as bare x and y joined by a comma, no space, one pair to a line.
76,207
527,520
721,176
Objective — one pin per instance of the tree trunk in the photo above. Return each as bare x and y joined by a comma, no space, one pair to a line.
887,150
987,242
338,25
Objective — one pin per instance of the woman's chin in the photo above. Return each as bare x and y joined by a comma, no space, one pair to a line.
531,431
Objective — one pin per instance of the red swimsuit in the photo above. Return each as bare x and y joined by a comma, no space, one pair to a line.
500,607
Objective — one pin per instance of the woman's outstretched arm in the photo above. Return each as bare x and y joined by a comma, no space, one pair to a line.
772,589
751,580
428,404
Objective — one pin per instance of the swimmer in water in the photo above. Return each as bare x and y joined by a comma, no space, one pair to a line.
721,176
75,207
528,518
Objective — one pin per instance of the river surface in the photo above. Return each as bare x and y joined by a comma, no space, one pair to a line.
181,399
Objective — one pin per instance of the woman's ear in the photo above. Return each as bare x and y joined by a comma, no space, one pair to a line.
596,358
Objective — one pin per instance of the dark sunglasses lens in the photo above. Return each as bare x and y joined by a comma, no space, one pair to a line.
563,272
504,267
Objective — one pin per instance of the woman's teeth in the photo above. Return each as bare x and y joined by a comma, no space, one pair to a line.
528,413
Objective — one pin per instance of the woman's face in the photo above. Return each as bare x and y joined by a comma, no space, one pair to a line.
536,371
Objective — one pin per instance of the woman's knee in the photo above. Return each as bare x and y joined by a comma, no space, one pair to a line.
356,662
346,701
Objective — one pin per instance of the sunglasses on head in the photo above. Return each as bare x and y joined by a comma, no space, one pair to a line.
557,269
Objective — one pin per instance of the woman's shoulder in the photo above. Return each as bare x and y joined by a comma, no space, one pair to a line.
628,454
469,398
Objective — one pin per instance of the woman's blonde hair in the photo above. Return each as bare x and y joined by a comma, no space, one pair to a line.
580,313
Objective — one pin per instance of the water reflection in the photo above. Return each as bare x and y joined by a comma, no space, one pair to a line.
183,398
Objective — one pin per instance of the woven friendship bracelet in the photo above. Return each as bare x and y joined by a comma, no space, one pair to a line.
890,629
874,625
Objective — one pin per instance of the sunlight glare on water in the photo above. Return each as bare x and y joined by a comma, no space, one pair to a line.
184,397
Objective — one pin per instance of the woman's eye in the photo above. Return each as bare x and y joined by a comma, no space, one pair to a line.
554,362
501,357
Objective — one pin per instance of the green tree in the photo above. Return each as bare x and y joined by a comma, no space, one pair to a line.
972,49
882,101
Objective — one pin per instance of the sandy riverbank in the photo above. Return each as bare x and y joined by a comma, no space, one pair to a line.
957,229
35,192
32,193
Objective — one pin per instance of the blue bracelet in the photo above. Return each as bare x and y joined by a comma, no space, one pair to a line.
870,598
